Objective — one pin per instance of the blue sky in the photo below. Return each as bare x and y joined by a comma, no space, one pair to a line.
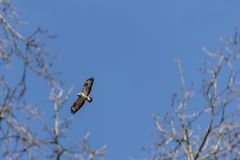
129,47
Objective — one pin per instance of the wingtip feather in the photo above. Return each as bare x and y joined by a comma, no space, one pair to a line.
91,79
72,111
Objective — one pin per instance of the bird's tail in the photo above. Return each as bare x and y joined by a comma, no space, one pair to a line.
89,99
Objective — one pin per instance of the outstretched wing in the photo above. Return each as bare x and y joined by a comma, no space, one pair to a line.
77,104
88,86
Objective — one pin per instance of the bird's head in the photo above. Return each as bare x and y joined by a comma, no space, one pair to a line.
79,94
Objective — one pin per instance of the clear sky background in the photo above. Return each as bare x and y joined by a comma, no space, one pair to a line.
129,47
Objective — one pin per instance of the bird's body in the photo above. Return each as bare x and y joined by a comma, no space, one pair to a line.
87,98
83,96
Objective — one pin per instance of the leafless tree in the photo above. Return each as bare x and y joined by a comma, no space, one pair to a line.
21,54
205,123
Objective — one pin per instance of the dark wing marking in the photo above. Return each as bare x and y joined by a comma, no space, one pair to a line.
77,104
88,86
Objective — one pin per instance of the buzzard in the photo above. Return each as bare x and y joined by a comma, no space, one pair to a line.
83,96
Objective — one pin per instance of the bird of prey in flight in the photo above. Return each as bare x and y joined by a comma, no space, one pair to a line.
83,96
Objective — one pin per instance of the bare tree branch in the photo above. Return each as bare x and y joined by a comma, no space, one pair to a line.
186,134
19,138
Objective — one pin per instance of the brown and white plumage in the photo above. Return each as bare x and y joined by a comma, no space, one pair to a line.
83,96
